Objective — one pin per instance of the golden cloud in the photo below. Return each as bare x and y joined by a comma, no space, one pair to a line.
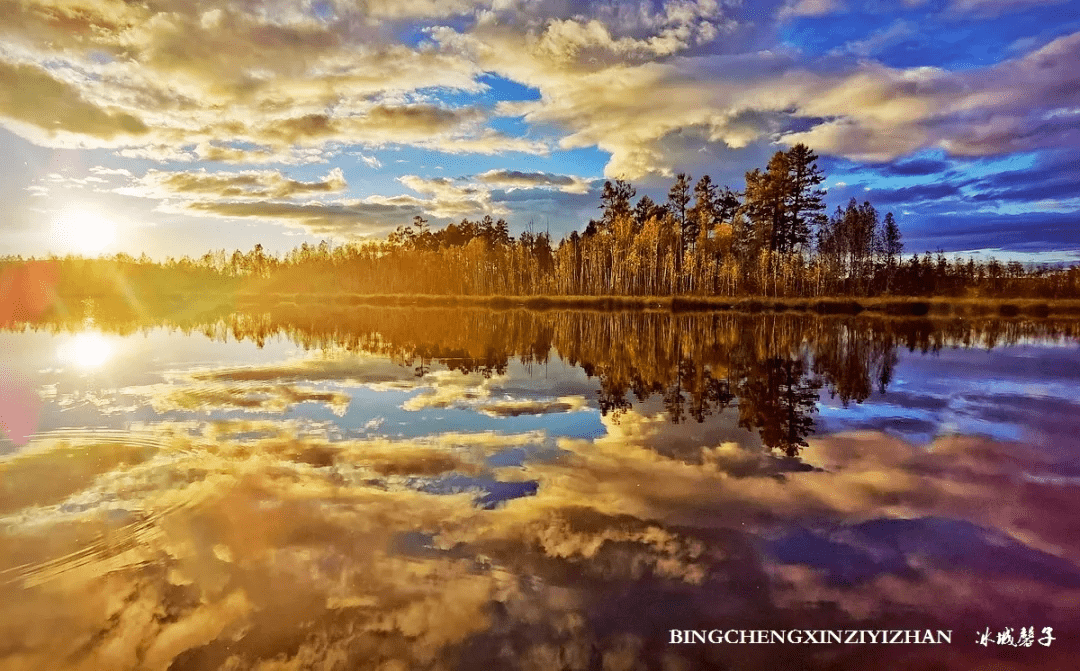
173,82
38,105
231,185
156,79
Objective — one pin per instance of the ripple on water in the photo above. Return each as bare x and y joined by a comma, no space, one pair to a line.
62,508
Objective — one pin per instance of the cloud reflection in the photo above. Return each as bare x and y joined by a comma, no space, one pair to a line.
270,542
281,551
490,395
251,397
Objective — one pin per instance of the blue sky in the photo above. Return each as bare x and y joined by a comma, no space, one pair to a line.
175,127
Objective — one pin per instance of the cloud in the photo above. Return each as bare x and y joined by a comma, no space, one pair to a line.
1054,176
897,32
451,199
796,8
378,125
204,546
653,114
110,172
516,179
546,205
271,387
914,167
205,595
231,185
438,186
48,110
1032,231
1000,109
270,195
224,153
488,142
28,484
370,161
156,79
992,8
627,109
652,85
417,9
356,219
450,389
916,193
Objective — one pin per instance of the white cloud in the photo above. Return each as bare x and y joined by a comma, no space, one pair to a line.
895,33
796,8
880,113
991,8
450,199
370,161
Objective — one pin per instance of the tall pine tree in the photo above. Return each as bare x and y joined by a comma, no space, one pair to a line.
805,202
678,199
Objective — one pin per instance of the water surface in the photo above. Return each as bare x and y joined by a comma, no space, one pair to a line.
435,489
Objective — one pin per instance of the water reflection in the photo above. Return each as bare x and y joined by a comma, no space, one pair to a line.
768,366
395,489
87,350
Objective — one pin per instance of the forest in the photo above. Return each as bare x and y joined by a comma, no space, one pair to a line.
773,239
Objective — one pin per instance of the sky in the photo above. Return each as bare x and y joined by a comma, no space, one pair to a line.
173,127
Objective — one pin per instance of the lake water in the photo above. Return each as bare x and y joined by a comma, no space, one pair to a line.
464,489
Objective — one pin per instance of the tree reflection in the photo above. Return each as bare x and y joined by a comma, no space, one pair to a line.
779,398
770,366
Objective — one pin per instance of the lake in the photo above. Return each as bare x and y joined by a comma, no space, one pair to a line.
406,488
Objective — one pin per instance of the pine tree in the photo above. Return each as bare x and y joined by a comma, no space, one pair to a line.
646,209
892,243
678,199
615,202
728,203
767,194
703,215
805,202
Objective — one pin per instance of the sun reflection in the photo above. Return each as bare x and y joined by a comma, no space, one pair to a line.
86,350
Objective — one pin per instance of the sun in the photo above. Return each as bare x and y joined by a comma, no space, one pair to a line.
84,231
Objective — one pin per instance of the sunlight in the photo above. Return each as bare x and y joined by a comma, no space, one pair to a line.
86,350
84,231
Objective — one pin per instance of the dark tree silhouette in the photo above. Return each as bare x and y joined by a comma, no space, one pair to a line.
805,202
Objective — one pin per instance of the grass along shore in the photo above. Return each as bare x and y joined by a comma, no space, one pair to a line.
887,305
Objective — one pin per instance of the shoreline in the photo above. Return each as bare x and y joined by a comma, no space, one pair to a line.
900,307
895,306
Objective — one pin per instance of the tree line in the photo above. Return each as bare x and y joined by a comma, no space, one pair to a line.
773,239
